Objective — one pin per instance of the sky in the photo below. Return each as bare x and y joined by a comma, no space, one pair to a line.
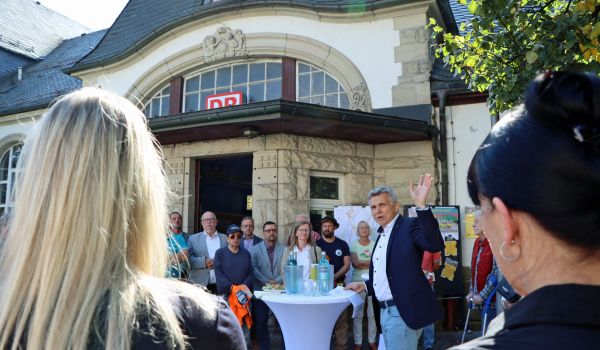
95,14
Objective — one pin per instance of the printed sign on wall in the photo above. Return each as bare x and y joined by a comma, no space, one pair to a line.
226,99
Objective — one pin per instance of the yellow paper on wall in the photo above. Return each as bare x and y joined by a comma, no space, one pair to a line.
469,222
449,270
451,248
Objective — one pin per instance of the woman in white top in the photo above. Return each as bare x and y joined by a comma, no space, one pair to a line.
360,253
306,250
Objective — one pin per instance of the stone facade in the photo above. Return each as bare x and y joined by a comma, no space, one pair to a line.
282,165
397,164
413,53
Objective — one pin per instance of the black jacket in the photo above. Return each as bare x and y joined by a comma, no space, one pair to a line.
563,316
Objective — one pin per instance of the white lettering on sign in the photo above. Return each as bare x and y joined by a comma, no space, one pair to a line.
226,99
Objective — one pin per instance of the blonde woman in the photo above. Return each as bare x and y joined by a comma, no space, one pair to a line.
87,238
360,254
306,250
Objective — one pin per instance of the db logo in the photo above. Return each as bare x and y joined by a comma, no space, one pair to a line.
224,100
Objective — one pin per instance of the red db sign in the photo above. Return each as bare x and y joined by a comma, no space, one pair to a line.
224,100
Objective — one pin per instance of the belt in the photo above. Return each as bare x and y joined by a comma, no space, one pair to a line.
387,303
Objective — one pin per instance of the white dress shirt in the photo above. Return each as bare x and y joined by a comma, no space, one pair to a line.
212,244
303,259
379,258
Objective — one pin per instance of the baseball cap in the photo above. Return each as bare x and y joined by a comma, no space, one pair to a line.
233,228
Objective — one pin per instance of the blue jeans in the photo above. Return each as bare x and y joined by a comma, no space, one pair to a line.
396,334
428,336
262,317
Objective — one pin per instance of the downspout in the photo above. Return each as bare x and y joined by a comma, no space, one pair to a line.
442,98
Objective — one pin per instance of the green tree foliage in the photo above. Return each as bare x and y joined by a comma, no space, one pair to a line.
507,42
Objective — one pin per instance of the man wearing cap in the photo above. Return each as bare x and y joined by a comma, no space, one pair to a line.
338,253
203,246
233,268
395,277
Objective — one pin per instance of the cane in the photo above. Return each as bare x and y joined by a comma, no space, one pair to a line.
467,321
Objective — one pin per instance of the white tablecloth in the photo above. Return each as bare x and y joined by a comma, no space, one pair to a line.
307,321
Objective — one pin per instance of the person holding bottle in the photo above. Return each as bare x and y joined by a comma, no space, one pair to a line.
303,247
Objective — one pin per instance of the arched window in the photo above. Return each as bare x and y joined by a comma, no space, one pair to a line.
8,172
317,86
158,104
257,81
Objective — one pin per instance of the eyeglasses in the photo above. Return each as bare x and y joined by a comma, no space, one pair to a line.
304,230
271,230
209,219
235,236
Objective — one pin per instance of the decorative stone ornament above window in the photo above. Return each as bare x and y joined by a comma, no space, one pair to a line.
359,98
224,43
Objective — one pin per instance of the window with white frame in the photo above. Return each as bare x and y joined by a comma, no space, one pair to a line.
256,80
158,105
319,87
8,173
326,192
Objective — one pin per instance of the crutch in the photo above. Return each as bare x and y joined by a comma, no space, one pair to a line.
488,301
467,321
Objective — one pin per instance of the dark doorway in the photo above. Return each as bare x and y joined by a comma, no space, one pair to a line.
223,186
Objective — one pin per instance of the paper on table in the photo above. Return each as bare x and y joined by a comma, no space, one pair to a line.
353,297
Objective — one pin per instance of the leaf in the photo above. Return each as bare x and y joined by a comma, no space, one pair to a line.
473,5
531,57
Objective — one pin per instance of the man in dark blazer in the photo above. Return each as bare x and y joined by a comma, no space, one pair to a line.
266,260
395,276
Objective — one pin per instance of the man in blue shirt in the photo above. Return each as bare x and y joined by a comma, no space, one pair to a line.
338,254
178,248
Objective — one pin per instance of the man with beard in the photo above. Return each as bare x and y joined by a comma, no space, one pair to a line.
266,260
338,254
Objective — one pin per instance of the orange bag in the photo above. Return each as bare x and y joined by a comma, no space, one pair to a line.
239,302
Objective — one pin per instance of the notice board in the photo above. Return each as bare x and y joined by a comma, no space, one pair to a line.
448,278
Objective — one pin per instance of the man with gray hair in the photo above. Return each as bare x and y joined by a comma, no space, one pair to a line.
395,276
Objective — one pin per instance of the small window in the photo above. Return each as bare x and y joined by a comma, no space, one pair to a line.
316,86
326,192
8,172
158,105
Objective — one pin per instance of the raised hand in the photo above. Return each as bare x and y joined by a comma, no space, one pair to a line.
420,191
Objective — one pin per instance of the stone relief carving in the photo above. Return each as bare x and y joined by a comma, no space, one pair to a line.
224,43
359,98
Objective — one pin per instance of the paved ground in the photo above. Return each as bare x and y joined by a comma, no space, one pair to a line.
444,339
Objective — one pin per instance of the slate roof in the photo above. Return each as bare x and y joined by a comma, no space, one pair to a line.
441,77
143,20
45,80
30,29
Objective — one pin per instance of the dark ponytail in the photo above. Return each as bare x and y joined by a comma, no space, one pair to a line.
544,158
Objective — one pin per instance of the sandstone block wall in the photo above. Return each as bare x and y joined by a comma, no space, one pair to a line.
282,165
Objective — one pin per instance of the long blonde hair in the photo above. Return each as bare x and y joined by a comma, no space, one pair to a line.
87,231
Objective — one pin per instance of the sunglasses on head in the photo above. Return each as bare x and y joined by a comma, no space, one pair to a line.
235,235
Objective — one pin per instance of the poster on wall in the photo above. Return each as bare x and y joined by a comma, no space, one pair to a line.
448,278
348,217
469,222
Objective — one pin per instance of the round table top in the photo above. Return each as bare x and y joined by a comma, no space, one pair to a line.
337,297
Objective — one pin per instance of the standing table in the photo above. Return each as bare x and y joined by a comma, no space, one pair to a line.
306,321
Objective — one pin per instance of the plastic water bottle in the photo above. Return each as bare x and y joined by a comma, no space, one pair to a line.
323,275
292,260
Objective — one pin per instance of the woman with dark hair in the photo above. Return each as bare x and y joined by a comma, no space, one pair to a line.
537,179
